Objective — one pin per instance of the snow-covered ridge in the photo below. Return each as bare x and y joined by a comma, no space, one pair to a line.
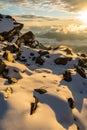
42,87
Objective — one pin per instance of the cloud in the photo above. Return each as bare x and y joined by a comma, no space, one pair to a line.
35,17
74,5
14,2
69,5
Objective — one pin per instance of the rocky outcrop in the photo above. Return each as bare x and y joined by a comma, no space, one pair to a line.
28,39
9,27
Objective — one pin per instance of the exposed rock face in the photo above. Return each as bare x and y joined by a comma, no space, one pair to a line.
9,27
62,60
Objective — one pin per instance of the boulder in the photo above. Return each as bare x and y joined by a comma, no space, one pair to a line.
39,60
67,76
8,56
62,60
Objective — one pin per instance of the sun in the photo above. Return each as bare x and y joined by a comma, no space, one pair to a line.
83,16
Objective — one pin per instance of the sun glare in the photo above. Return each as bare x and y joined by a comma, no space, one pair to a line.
83,16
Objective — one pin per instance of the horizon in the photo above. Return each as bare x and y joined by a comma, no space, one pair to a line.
51,13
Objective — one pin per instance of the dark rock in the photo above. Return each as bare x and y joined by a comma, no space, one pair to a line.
31,54
48,56
1,16
82,62
33,106
67,76
42,53
68,51
71,103
26,38
2,66
41,91
41,46
56,48
81,71
34,44
12,80
40,61
5,73
83,55
12,48
62,60
34,58
8,56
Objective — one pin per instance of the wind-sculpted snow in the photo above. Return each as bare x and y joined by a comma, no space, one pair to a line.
20,80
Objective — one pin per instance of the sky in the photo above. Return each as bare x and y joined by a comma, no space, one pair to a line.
48,14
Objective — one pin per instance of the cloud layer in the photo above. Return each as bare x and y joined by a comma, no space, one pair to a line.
69,5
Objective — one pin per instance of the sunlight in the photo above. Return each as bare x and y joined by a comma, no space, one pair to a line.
83,16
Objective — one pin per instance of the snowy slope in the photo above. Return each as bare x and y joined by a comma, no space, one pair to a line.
53,111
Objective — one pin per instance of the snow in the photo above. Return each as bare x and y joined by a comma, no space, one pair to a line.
53,111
